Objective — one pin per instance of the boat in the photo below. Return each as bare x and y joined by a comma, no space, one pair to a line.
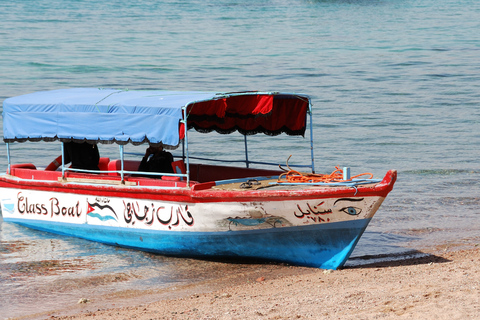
255,211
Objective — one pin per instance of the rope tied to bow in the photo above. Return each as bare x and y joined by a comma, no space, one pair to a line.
294,176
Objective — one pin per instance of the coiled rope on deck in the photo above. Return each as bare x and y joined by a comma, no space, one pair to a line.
294,176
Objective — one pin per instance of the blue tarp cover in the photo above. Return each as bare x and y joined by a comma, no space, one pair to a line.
101,115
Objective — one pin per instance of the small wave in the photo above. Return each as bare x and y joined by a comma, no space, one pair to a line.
443,172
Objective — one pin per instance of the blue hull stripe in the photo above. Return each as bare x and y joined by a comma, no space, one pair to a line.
326,246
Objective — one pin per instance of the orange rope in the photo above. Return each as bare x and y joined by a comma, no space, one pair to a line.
293,176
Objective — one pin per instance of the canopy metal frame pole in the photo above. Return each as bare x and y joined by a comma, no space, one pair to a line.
8,158
63,160
246,151
122,159
185,143
311,136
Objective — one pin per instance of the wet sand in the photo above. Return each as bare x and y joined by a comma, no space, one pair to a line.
444,284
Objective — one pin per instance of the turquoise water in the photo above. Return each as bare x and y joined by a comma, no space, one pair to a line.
394,85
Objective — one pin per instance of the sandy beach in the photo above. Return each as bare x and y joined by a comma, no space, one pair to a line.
443,284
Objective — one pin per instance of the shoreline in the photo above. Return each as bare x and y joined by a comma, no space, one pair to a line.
443,284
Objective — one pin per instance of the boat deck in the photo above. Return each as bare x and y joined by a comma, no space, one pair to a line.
272,183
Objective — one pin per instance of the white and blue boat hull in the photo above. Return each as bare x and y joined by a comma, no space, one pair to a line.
310,232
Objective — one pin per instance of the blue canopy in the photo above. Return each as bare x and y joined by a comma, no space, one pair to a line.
100,115
122,116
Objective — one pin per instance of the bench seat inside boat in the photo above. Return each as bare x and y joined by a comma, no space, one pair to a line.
28,171
199,173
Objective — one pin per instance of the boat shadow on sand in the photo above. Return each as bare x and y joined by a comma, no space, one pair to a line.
409,258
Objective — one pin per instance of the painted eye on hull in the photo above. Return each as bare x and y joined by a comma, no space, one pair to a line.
351,211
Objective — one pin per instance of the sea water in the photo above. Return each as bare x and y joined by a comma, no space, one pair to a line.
395,84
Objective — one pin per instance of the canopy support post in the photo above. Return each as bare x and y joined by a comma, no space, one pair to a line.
121,164
311,136
63,161
8,158
246,151
185,144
